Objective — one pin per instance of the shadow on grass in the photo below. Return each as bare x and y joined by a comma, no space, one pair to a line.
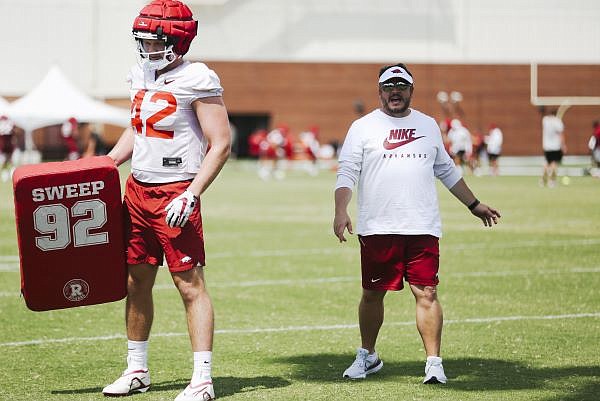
581,383
224,386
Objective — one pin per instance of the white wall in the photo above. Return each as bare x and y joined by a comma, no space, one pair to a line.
90,39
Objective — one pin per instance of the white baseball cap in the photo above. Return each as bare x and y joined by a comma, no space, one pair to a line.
396,72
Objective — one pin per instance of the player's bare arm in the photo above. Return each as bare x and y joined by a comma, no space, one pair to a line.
342,220
463,193
212,116
123,150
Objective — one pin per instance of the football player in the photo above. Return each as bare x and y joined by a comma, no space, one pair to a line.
70,134
179,141
7,137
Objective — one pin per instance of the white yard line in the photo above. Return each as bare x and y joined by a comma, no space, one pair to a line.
346,279
289,329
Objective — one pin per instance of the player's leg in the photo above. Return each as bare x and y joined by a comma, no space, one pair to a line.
546,172
200,321
184,253
198,307
552,173
139,313
139,307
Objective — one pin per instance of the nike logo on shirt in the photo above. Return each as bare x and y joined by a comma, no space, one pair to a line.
400,137
393,145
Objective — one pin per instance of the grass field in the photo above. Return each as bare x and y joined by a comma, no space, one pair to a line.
521,303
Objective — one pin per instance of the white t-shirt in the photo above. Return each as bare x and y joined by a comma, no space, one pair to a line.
552,128
494,141
169,144
395,162
6,126
460,140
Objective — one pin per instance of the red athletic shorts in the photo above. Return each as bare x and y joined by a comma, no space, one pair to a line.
148,235
388,259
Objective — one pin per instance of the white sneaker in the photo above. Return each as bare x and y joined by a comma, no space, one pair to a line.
137,381
434,371
201,392
363,365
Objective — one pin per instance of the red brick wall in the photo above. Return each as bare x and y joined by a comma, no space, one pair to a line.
304,94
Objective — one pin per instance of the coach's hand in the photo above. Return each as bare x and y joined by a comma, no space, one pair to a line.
342,222
180,208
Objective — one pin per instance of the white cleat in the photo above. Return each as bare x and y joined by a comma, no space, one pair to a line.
363,365
201,392
434,371
137,381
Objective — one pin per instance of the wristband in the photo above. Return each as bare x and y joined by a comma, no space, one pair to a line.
474,204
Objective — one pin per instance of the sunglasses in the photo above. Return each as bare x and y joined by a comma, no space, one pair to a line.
388,87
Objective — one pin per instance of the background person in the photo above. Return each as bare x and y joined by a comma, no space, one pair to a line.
393,155
7,147
310,146
171,168
95,144
594,147
460,143
493,143
70,135
553,144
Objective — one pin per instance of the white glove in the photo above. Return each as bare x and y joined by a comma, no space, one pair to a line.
180,208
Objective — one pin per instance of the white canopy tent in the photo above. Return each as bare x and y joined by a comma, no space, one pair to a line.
54,100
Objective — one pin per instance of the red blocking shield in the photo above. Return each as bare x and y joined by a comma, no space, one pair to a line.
69,218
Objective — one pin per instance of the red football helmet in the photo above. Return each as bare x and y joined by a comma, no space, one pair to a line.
168,20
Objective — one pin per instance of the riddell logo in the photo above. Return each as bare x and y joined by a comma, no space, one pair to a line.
76,290
397,71
400,137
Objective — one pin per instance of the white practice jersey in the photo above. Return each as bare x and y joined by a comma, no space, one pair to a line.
6,126
494,141
395,162
169,144
552,128
460,140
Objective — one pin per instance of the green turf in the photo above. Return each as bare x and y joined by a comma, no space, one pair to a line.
521,303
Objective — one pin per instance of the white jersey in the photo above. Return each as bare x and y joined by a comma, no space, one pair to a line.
169,145
6,126
460,140
494,141
395,162
552,128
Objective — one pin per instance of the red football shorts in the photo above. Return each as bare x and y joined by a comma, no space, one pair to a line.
387,260
149,237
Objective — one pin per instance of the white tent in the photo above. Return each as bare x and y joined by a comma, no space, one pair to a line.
55,99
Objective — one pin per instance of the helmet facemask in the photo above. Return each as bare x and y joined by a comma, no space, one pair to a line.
148,60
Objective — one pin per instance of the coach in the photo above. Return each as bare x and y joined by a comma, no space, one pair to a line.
393,155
